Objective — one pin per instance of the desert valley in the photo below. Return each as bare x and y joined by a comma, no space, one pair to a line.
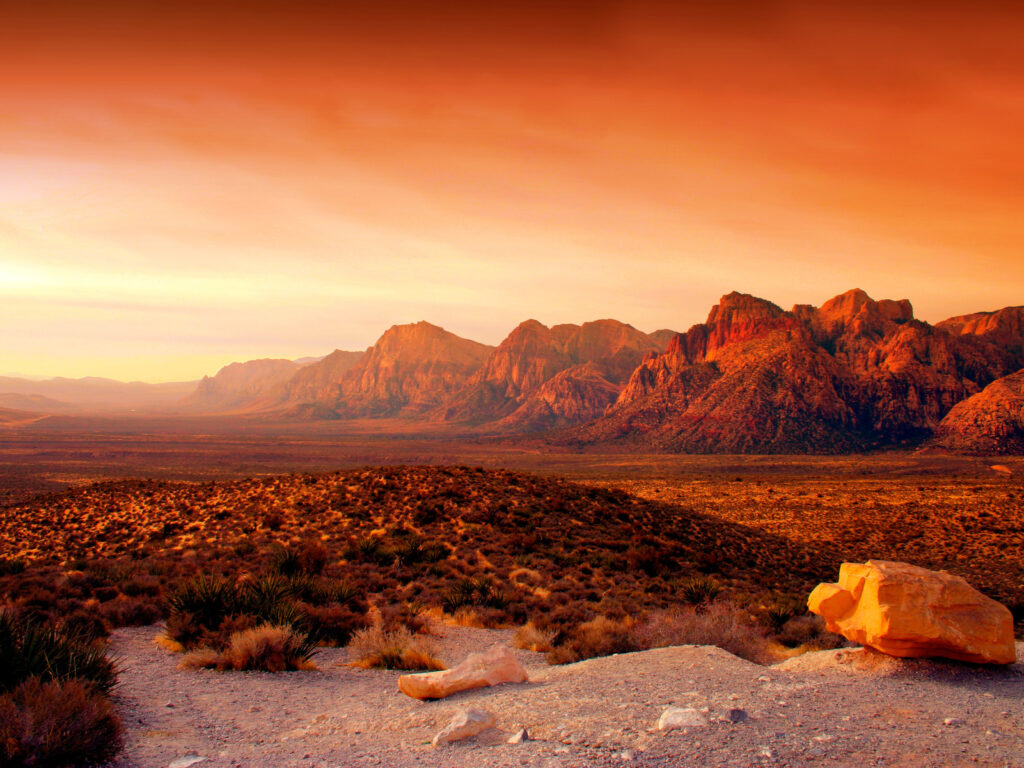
576,491
600,384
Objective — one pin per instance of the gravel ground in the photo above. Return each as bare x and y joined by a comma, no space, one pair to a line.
837,708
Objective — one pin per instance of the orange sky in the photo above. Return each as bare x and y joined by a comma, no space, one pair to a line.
180,188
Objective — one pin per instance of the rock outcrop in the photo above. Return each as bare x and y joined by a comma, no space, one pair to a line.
409,371
853,374
244,386
990,422
320,381
541,377
494,666
907,611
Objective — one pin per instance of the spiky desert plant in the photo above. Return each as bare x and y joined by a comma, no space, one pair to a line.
699,590
30,649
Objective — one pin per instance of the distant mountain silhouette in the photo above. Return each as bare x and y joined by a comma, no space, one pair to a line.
93,394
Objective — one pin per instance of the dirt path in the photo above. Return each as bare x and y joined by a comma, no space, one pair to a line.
837,708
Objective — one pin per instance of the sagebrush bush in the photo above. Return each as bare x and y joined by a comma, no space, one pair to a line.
375,647
56,724
530,638
722,624
601,636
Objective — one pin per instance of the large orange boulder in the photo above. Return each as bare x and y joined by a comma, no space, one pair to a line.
904,610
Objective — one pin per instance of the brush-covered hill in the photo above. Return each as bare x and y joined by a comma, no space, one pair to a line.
544,546
990,422
850,375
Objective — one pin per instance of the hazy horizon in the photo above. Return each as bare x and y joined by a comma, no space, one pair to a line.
189,186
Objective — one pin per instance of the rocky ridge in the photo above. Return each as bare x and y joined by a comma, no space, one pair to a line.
990,422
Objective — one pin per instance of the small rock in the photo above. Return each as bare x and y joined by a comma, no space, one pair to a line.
736,716
626,754
187,761
519,737
466,723
679,717
952,721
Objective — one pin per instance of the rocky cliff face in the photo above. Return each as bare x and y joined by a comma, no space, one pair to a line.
320,381
849,375
243,386
525,366
410,370
990,422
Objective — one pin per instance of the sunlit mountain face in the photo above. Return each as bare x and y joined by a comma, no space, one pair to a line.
183,185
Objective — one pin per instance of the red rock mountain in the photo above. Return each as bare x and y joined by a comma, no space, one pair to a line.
319,381
852,374
990,422
410,370
249,386
542,377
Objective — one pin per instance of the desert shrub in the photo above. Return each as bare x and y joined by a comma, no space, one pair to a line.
313,558
809,632
208,600
84,624
125,612
434,552
601,636
11,566
285,561
372,550
30,649
722,624
268,647
375,647
331,624
273,520
468,593
205,611
56,724
699,590
530,638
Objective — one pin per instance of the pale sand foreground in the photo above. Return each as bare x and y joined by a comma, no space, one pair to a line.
836,708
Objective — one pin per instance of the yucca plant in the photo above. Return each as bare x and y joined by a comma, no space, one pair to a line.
207,599
699,590
30,649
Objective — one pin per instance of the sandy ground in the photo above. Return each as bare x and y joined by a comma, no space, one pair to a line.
837,708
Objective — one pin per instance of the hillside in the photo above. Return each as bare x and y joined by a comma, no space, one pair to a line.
990,422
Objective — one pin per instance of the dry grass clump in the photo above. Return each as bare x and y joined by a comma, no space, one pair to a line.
375,647
56,724
269,648
722,624
531,638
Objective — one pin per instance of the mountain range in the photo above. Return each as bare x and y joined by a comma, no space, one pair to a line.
853,374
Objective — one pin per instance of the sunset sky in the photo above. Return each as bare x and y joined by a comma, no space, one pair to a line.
187,184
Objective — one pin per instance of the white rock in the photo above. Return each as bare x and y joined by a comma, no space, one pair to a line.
679,717
466,723
519,737
187,761
496,665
